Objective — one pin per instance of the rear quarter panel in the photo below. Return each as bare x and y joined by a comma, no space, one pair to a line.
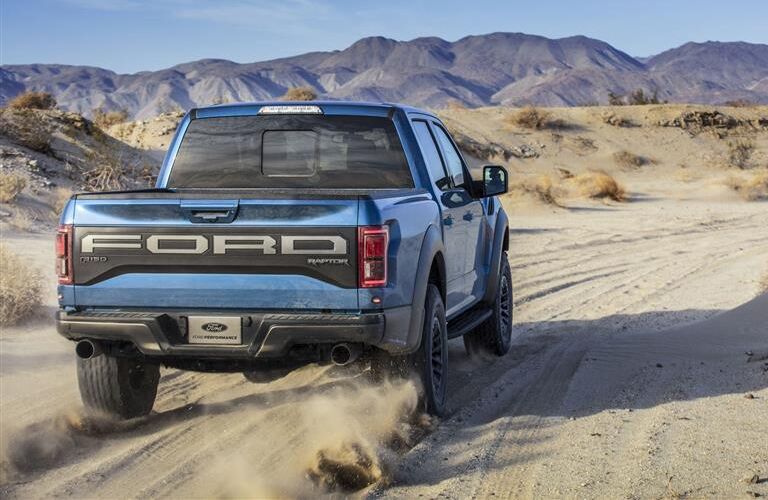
408,218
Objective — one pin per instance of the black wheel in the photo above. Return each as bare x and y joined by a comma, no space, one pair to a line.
494,335
429,363
119,387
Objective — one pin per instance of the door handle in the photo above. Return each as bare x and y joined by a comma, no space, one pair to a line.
468,217
448,221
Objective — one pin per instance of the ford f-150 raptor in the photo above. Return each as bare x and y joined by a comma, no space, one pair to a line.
291,233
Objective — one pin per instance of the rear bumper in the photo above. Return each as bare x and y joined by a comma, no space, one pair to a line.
264,334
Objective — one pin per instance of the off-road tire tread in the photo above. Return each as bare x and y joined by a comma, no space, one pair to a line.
104,386
486,337
385,366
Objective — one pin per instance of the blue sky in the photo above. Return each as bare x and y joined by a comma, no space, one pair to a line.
135,35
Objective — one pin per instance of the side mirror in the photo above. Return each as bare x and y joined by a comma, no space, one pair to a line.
494,180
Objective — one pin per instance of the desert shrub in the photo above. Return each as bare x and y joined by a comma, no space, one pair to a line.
615,120
33,100
616,99
21,220
542,188
600,184
11,185
20,288
106,174
27,128
638,97
300,94
629,160
481,150
740,153
740,103
754,189
534,118
105,119
112,167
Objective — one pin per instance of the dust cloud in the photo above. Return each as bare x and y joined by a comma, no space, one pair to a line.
341,441
315,432
47,443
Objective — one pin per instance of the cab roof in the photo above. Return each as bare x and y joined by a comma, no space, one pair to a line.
329,108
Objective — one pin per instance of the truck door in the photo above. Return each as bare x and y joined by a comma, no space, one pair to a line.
453,229
468,209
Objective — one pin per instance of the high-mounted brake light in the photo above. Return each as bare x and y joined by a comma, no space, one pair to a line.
64,254
372,246
289,109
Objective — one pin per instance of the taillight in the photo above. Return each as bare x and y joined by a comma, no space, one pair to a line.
64,254
372,243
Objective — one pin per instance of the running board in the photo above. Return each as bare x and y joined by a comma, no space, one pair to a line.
466,322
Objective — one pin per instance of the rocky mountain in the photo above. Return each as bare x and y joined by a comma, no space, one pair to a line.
498,68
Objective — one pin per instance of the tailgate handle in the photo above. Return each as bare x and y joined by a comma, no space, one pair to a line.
207,212
211,216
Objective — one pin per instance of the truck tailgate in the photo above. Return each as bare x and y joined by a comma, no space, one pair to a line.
174,252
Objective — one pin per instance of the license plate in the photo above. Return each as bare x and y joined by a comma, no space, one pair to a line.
215,330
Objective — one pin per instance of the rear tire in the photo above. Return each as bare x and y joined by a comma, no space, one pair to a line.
429,363
494,335
119,387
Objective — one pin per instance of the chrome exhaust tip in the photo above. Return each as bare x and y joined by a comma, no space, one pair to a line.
87,349
344,354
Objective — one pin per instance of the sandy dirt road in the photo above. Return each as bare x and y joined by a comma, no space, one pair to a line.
627,380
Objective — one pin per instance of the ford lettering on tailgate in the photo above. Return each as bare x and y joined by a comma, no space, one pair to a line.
323,253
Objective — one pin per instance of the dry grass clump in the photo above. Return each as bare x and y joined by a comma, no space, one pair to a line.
105,119
754,189
11,185
21,220
533,118
740,103
107,174
300,94
638,97
27,128
33,100
542,188
112,167
740,153
615,120
599,184
629,160
19,288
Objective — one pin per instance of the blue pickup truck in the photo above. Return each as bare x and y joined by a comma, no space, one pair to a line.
281,234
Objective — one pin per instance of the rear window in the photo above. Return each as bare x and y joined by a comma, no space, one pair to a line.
291,151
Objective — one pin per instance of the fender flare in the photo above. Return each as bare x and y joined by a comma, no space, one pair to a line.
431,247
500,233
